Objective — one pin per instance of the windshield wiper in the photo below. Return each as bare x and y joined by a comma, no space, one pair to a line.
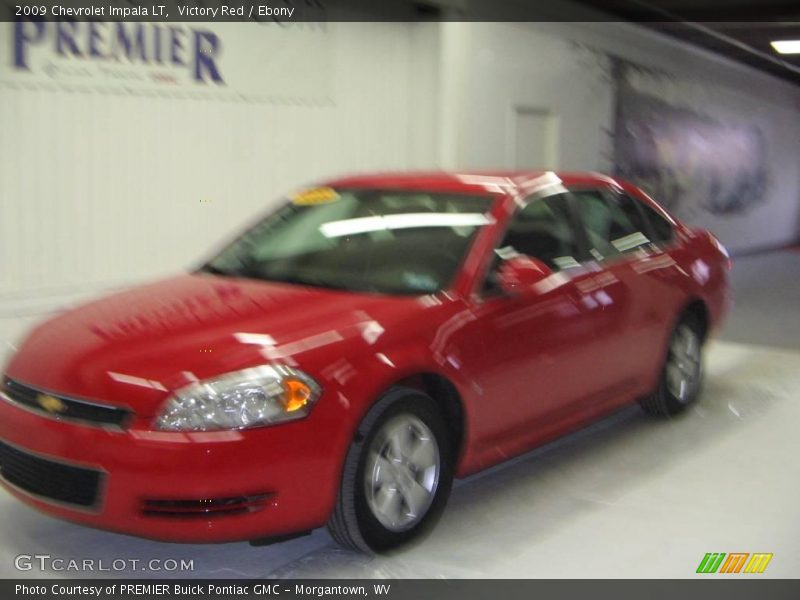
291,279
308,282
211,269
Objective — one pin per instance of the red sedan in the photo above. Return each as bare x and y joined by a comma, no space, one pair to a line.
349,354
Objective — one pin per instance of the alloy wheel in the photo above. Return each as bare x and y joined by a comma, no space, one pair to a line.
402,472
683,363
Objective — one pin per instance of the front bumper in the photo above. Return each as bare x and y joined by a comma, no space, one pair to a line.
293,473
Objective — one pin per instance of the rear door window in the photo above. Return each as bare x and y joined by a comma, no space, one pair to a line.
661,230
613,223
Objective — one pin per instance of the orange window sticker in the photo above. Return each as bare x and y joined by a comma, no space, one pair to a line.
318,195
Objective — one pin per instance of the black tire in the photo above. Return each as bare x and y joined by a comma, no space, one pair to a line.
666,401
353,523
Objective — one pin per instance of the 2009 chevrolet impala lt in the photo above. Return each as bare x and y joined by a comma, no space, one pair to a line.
355,350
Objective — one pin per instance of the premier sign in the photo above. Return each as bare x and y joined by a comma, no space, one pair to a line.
147,44
285,64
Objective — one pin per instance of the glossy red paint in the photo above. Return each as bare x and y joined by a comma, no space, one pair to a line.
527,368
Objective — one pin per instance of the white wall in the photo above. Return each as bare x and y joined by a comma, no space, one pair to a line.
99,190
515,64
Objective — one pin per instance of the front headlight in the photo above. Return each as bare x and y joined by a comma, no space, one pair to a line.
248,398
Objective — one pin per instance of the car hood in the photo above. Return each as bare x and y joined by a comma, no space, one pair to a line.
134,347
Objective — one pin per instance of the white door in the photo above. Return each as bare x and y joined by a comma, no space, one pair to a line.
534,134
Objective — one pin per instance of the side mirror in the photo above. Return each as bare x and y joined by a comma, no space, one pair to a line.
521,273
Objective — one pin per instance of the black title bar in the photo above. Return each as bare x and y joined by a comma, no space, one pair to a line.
288,11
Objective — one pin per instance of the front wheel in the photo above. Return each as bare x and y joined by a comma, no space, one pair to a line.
682,374
397,474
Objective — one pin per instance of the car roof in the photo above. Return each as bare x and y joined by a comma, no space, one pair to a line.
481,182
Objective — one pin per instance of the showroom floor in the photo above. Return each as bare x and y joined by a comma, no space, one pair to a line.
627,497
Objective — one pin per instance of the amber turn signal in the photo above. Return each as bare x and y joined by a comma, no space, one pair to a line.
296,394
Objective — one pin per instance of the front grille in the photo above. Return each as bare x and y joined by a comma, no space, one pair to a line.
48,479
61,407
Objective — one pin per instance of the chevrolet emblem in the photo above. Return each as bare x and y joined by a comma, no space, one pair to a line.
51,404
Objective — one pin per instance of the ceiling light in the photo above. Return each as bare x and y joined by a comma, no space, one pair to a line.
786,46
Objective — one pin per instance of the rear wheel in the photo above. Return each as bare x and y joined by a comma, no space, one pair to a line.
682,374
397,475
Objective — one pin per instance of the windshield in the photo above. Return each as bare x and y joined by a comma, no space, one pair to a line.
383,241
